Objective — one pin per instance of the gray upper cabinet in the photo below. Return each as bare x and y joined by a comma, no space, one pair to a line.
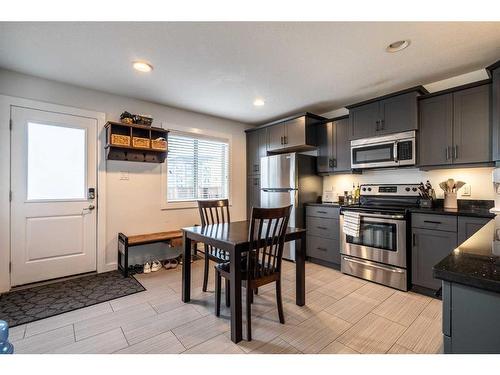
455,127
324,133
391,114
495,113
436,130
398,114
364,120
275,137
256,148
471,125
334,146
294,134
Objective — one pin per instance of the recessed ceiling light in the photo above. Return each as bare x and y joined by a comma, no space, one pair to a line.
142,66
259,102
398,46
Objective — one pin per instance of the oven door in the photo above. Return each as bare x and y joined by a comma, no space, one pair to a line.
382,238
374,155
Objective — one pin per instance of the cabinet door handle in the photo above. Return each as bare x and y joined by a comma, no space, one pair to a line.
447,152
281,140
285,139
455,152
414,239
377,125
322,212
321,248
382,123
323,228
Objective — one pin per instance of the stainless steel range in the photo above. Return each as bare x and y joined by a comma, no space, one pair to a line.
379,252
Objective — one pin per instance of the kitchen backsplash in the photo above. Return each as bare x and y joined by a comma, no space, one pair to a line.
479,180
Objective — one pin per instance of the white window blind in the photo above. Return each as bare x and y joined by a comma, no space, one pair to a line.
197,168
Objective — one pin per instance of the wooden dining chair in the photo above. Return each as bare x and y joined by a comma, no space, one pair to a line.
214,212
266,237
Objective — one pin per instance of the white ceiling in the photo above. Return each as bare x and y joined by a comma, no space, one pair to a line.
219,68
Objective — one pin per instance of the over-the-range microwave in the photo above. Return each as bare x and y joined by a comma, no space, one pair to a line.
392,150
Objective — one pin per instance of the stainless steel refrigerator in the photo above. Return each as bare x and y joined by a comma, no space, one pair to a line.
289,179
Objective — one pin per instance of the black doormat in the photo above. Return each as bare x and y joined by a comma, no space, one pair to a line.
28,305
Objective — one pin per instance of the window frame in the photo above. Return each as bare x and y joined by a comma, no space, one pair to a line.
196,133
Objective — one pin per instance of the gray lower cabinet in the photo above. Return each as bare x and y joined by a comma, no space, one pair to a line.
470,320
253,194
429,248
467,226
433,238
455,128
334,151
323,239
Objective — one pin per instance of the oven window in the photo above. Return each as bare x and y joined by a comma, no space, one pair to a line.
379,235
370,154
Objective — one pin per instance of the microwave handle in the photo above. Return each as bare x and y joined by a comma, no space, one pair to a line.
395,151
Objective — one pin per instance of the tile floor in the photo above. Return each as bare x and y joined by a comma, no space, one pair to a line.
342,315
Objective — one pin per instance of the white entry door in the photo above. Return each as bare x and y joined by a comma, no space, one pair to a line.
53,216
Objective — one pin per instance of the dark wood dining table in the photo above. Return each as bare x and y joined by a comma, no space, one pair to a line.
233,238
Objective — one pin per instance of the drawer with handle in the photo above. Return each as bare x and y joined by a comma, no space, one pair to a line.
322,227
446,223
323,248
320,211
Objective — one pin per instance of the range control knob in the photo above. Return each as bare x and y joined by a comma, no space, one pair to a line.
364,189
369,189
407,188
414,189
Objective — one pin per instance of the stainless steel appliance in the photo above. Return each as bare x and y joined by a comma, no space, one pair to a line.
380,252
387,151
289,179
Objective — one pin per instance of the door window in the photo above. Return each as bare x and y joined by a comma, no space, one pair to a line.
56,162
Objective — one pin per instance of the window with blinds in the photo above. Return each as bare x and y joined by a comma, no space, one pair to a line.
197,168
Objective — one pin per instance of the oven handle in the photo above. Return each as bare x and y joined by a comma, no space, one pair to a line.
385,268
397,217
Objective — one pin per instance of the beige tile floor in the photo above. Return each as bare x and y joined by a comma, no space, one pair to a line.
342,315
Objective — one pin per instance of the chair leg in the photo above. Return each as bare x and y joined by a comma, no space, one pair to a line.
279,302
205,272
218,283
228,293
249,313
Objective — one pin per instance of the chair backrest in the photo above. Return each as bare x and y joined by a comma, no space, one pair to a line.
266,237
214,211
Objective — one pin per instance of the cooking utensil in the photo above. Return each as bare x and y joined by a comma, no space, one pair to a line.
450,183
458,185
443,186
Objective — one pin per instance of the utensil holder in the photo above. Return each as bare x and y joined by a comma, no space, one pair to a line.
450,200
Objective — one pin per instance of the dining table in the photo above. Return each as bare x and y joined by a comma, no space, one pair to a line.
233,238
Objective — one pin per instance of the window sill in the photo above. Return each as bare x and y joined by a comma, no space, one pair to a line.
182,205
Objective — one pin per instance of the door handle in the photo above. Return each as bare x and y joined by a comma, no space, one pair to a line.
323,228
377,124
447,152
455,152
285,139
382,123
370,264
88,209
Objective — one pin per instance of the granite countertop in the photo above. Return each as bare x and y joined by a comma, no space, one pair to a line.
476,262
473,208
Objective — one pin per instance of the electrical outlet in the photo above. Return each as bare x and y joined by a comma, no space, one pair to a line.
466,191
124,175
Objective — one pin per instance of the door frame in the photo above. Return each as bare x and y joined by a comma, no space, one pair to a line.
6,102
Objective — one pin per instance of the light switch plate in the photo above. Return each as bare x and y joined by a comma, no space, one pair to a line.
466,190
124,175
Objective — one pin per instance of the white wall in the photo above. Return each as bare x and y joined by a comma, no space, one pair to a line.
479,179
133,206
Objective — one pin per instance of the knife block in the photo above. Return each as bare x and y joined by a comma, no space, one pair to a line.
450,200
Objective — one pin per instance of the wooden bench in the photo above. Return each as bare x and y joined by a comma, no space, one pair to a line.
173,238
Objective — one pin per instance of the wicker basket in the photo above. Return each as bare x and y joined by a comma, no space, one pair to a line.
120,140
158,144
140,142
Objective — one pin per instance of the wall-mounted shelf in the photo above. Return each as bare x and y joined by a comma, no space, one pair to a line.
135,134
